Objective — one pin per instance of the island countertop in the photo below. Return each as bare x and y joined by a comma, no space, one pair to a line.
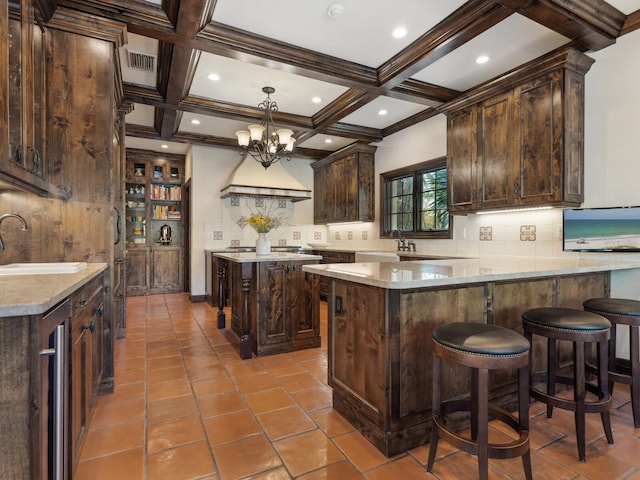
431,273
35,294
252,257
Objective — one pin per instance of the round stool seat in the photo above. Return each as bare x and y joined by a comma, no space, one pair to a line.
617,306
480,338
566,318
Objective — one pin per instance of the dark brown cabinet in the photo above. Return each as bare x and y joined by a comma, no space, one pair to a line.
22,125
153,201
332,257
87,306
522,146
343,186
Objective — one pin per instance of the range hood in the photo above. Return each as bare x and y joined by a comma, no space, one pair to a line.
250,178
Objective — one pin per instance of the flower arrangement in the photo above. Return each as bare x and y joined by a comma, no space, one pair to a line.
263,223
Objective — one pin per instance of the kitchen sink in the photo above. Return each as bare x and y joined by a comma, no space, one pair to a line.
42,268
376,256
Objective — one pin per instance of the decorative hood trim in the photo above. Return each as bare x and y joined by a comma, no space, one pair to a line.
251,179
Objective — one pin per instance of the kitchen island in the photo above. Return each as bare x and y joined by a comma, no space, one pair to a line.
274,304
381,316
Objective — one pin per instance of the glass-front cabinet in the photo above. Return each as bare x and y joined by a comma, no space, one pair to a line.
154,227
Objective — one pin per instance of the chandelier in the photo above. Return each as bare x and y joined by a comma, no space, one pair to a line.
263,142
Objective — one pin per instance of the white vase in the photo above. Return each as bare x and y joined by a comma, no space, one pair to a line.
263,245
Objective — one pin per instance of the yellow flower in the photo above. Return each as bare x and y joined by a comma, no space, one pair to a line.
264,223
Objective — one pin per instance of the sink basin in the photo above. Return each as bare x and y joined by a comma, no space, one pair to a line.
40,268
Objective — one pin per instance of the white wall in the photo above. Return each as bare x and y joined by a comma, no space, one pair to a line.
612,170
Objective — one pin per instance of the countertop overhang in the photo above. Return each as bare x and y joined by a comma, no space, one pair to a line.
35,294
433,273
252,257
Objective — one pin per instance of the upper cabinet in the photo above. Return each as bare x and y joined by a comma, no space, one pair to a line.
518,141
343,186
22,121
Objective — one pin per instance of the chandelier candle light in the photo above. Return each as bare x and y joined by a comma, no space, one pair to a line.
263,142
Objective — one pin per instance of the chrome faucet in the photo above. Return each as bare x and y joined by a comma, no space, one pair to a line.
403,245
25,227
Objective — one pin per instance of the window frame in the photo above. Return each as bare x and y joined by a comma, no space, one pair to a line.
385,216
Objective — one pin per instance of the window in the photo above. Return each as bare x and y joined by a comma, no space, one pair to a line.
414,201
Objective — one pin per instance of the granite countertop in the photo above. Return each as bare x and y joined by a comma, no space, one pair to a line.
252,257
35,294
432,273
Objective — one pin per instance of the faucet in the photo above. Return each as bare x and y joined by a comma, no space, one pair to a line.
402,246
25,227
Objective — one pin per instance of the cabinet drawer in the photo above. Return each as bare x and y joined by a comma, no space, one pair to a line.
86,300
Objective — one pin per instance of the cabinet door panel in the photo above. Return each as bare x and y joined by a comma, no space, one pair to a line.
461,159
137,271
272,285
494,152
167,271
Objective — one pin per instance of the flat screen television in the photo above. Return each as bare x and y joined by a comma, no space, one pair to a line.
614,229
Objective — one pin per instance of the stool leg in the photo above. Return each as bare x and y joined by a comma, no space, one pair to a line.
634,354
523,414
612,354
435,410
552,366
474,404
603,386
483,423
579,393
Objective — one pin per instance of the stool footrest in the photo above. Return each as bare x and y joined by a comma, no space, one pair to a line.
513,449
590,406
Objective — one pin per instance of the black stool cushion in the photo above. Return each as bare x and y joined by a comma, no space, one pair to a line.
619,306
566,318
480,338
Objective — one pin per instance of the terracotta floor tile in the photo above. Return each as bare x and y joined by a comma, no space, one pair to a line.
405,468
331,422
112,439
166,374
298,381
245,457
274,359
132,373
106,414
462,465
308,354
314,398
421,453
276,474
251,367
128,465
268,400
285,422
181,463
207,371
255,383
337,471
173,433
212,386
230,427
360,451
173,388
220,404
170,408
285,368
209,359
164,362
307,451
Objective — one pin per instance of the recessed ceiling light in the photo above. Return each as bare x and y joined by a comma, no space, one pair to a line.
399,32
482,59
164,146
382,112
328,140
195,121
335,10
316,100
213,76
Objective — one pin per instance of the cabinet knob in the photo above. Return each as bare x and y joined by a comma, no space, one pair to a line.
91,326
516,188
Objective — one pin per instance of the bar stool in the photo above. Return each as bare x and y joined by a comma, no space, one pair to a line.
620,311
482,347
581,328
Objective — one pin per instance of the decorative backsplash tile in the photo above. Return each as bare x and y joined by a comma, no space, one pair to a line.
527,233
217,235
242,222
282,242
235,201
297,235
235,243
365,235
260,202
349,235
486,234
337,235
282,203
317,235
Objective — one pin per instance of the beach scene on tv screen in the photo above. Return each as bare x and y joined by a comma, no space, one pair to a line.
615,229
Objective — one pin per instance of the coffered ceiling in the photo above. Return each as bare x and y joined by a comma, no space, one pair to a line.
193,70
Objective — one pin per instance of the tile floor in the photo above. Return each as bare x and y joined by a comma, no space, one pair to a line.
186,407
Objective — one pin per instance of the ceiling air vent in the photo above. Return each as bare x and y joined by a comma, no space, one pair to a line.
141,61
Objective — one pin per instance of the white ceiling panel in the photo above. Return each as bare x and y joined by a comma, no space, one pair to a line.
157,145
326,142
396,110
362,34
138,44
141,115
626,6
220,127
509,44
242,83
